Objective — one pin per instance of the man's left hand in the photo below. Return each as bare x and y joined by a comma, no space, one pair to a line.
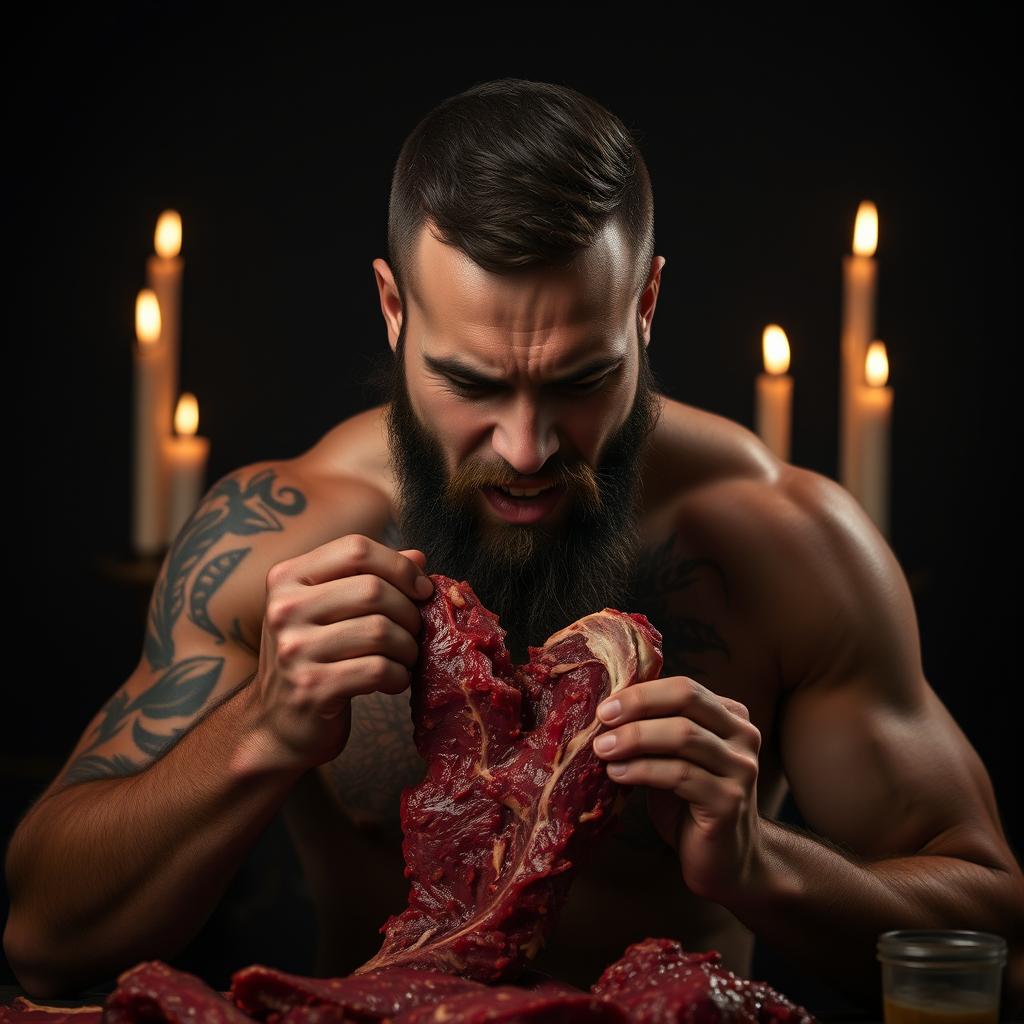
698,753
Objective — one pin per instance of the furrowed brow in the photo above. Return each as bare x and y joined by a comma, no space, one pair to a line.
454,367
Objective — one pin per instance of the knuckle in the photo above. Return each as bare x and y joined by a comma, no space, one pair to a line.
755,738
683,771
734,793
694,691
378,667
740,709
374,586
278,612
276,575
378,628
304,678
288,645
357,546
749,768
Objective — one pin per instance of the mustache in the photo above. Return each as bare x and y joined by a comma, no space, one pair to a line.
578,478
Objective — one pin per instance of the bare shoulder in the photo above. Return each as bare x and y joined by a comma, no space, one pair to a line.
810,572
204,622
283,509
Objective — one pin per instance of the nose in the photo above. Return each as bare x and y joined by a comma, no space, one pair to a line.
524,438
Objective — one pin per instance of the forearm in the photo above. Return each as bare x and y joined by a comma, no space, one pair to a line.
109,872
825,910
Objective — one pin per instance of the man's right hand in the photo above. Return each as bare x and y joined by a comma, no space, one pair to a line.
339,621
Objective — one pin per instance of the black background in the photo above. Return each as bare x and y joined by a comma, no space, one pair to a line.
275,134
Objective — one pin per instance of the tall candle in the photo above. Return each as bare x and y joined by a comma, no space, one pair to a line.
149,490
774,397
874,418
186,455
163,273
860,273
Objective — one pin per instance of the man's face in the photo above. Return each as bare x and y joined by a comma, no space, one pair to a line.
526,333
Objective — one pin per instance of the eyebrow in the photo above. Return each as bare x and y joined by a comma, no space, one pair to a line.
453,366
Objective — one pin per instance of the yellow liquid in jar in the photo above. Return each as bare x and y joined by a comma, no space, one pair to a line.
939,1013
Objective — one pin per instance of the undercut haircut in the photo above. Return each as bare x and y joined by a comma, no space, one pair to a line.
517,175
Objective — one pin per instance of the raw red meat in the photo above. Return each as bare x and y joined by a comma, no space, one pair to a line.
275,996
514,794
512,1005
657,982
153,992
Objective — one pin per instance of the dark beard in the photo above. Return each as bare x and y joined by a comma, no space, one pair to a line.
536,578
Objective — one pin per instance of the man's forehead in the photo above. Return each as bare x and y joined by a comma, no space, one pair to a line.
455,293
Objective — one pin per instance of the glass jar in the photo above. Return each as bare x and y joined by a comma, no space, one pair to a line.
941,977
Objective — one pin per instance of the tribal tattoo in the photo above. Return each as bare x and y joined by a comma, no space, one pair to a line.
183,686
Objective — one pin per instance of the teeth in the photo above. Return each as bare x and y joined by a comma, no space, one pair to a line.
519,492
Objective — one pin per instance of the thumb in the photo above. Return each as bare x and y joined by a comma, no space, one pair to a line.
415,555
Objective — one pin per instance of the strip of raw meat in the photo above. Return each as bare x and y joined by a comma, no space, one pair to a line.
507,1004
657,982
153,992
514,795
277,997
22,1010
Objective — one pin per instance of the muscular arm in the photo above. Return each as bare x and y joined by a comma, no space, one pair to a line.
130,848
910,835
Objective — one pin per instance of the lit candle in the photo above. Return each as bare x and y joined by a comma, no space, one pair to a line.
163,275
860,272
874,415
149,527
186,455
774,397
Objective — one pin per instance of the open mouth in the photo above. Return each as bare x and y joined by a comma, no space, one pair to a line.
526,507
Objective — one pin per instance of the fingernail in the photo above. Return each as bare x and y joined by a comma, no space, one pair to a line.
424,586
617,769
605,743
609,710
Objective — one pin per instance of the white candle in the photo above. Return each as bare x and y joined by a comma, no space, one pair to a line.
149,486
774,397
874,416
186,455
163,274
860,273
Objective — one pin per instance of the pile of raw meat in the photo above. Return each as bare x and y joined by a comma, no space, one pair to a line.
512,801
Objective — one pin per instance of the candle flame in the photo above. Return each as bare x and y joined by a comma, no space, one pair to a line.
876,365
147,318
775,347
865,229
167,237
186,415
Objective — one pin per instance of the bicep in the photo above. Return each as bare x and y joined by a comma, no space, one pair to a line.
887,779
199,643
874,759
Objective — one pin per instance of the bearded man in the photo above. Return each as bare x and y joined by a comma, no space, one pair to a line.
522,445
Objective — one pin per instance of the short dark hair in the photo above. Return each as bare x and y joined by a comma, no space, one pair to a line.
519,174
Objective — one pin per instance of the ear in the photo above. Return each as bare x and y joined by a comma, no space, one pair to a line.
390,302
649,299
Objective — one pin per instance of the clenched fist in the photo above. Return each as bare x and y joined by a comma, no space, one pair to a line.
339,621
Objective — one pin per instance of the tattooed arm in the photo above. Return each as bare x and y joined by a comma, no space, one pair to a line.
128,851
